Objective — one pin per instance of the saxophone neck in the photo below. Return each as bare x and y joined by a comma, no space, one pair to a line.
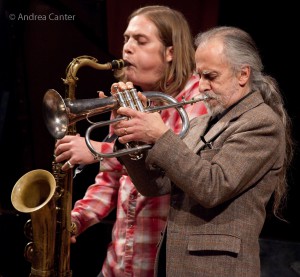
81,61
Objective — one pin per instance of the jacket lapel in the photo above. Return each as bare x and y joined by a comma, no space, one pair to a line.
211,135
198,125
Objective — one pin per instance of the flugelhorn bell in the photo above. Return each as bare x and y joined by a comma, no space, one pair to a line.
60,113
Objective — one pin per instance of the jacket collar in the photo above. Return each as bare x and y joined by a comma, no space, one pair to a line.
199,124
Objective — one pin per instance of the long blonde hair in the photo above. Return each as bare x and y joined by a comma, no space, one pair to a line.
173,30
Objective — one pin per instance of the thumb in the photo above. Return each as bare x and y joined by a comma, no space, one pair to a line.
101,94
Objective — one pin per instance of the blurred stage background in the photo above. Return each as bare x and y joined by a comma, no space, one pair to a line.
34,57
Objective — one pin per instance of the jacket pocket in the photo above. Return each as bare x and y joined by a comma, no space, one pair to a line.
214,242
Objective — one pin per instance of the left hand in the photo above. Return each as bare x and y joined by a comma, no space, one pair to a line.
141,126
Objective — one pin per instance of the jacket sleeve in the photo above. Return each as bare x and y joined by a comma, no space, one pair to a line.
244,154
148,180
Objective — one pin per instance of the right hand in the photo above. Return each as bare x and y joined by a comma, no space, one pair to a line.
74,150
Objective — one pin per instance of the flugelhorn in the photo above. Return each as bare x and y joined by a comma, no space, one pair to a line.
59,113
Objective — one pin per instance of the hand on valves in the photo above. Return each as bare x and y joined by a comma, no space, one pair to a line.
141,126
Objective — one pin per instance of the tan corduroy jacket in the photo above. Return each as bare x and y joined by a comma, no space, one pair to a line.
219,189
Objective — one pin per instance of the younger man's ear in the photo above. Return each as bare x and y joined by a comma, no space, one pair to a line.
169,53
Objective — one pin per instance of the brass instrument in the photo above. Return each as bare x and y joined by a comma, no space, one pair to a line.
48,198
60,113
134,150
34,193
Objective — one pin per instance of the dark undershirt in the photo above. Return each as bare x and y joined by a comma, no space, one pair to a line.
216,118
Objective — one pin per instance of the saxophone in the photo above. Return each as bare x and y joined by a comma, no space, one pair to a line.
48,198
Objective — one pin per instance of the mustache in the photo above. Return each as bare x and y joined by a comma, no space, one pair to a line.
210,95
221,99
216,107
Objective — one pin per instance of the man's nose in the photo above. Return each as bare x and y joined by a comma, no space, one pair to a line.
203,85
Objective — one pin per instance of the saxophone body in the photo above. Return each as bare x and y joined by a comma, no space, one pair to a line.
48,198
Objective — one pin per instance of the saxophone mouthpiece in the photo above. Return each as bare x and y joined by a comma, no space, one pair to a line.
126,63
118,64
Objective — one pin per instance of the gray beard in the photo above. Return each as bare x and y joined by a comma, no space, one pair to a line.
213,111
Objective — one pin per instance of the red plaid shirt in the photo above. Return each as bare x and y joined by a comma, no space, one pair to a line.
139,220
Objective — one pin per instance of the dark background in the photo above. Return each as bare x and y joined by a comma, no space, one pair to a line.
34,57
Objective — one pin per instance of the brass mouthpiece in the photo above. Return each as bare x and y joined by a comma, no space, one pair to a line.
207,97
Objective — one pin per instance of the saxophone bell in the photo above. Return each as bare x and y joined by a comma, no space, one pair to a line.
50,225
34,193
